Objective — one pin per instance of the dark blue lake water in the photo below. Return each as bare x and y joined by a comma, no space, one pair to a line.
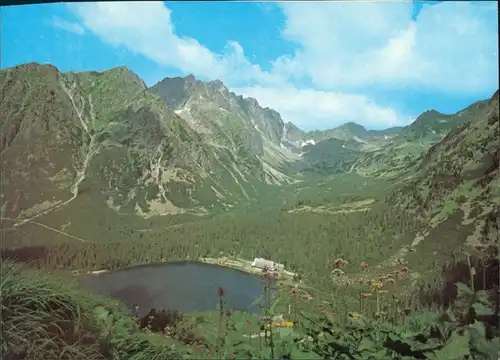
183,286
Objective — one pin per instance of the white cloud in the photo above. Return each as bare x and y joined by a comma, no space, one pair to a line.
68,26
464,52
451,47
324,109
344,48
146,28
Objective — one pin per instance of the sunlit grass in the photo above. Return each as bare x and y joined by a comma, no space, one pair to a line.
40,319
45,318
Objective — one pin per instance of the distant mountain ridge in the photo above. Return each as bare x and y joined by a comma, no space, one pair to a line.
429,123
347,131
400,153
385,153
432,122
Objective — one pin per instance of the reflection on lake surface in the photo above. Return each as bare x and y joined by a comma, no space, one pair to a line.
183,286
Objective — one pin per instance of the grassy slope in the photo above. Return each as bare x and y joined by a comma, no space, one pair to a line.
456,190
152,133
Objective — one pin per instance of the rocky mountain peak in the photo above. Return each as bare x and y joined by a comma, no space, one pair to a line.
217,84
430,112
125,74
190,79
252,101
352,126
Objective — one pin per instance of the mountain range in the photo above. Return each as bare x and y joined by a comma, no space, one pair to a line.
183,146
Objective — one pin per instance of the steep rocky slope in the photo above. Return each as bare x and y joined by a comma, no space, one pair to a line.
34,156
229,121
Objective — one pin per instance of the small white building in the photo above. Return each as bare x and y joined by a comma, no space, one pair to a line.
307,142
261,263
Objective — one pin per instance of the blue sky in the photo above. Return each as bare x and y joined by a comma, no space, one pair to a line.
319,64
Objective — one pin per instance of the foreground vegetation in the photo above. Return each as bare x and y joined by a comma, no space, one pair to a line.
45,318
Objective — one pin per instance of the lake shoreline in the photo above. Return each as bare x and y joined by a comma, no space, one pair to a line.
237,264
